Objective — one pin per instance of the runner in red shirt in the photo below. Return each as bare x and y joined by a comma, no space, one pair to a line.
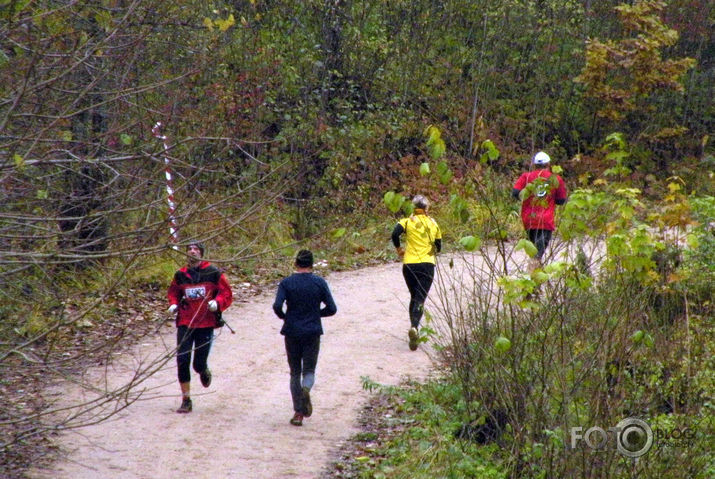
198,294
544,190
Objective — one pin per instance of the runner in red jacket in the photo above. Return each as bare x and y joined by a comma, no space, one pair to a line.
198,294
545,191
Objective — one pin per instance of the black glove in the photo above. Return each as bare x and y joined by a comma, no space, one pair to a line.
219,320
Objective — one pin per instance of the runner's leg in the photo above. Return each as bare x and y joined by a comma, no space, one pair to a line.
294,351
202,344
184,342
541,239
412,285
424,274
311,348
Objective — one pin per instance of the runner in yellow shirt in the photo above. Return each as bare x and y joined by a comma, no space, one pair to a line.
423,240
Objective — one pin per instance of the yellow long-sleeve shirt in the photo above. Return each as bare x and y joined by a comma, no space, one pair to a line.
421,232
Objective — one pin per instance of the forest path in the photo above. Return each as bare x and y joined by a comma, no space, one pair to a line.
239,426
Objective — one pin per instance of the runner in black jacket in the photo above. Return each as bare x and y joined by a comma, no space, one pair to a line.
303,292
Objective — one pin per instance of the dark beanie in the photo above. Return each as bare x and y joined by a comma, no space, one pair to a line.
304,259
198,244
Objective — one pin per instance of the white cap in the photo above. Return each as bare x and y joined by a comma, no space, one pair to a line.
541,158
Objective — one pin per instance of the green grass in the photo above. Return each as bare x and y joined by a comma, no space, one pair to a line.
411,434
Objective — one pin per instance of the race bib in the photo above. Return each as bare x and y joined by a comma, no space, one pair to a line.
198,292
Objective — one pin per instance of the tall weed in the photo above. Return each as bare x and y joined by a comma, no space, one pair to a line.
582,344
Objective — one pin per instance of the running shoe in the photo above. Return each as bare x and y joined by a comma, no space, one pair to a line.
297,419
205,378
414,336
185,406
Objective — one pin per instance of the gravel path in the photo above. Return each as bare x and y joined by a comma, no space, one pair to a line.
239,427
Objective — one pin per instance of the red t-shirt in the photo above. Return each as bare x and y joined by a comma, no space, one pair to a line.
537,211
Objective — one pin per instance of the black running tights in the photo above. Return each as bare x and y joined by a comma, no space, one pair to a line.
541,239
199,340
419,277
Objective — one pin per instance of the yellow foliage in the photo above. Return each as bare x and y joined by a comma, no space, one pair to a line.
673,187
634,61
224,25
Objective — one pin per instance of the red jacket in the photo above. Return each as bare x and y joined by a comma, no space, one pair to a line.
537,211
193,288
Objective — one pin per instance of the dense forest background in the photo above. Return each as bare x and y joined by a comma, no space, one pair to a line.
286,123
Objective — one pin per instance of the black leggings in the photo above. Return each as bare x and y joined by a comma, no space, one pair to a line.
199,340
541,239
302,355
419,277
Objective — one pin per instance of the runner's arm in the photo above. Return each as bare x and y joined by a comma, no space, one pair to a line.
224,295
278,303
396,234
518,186
175,292
330,307
561,194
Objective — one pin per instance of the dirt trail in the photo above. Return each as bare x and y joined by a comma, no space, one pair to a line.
239,427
